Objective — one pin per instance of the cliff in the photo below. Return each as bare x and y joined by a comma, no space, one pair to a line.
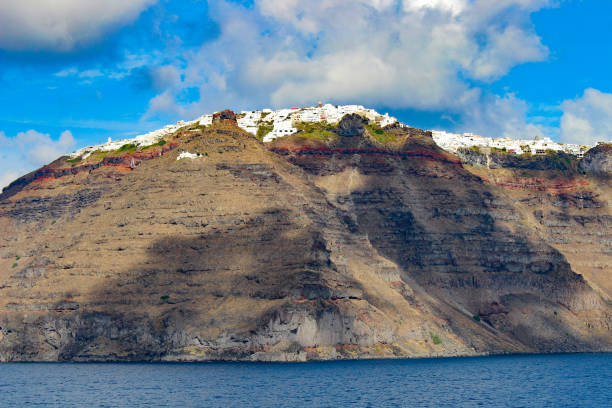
336,242
598,160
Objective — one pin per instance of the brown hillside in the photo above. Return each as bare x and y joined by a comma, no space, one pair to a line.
352,242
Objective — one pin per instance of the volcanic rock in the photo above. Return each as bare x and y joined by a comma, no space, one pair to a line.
362,246
226,117
598,160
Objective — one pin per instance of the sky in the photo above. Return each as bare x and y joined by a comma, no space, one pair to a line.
75,72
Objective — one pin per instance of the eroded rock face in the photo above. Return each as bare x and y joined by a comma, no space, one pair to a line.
226,117
554,161
313,250
352,126
598,160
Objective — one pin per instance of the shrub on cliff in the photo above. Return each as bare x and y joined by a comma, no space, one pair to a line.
263,130
74,161
160,143
379,134
126,148
561,160
319,131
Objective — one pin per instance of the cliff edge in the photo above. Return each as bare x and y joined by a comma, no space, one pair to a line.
336,242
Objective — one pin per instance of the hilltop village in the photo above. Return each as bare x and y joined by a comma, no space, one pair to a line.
452,142
344,240
269,124
283,122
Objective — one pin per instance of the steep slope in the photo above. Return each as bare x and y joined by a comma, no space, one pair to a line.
492,251
351,242
598,160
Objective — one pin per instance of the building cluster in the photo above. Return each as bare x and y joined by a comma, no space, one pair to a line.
453,142
283,121
141,140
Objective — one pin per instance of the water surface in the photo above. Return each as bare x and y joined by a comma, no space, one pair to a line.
578,380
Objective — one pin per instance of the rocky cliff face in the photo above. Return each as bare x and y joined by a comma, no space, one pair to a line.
360,243
558,162
598,160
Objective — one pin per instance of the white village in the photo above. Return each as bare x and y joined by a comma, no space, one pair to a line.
283,122
452,142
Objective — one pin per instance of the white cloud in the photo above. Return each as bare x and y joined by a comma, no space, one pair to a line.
452,6
62,25
29,150
506,116
8,176
119,71
66,72
423,54
166,76
506,48
588,119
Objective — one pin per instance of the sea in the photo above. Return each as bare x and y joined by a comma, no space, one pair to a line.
569,380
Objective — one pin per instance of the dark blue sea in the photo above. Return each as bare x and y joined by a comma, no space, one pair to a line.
577,380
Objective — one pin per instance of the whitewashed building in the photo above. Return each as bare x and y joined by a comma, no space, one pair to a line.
453,142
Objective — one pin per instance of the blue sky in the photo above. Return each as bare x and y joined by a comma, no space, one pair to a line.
75,72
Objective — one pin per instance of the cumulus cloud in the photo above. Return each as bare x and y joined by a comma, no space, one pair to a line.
587,119
452,6
420,54
505,116
29,150
62,25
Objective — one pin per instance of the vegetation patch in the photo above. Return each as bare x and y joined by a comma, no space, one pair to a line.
75,160
99,155
15,265
190,128
164,297
263,130
380,135
435,338
160,143
319,131
186,128
560,160
197,127
476,317
127,148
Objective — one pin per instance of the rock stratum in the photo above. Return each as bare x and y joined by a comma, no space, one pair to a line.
338,242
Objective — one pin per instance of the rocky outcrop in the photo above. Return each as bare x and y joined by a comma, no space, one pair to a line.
226,117
352,126
59,168
362,246
598,160
550,161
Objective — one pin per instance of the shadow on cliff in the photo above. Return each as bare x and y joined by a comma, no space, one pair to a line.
467,246
225,282
462,242
439,223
